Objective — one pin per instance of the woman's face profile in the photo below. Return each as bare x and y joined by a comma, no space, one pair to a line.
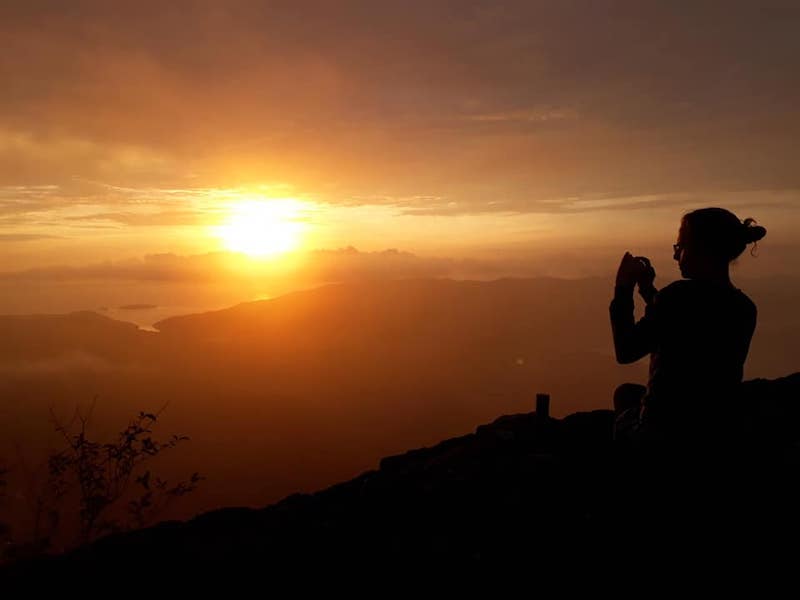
683,251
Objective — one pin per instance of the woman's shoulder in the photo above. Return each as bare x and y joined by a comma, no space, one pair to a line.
692,288
676,289
677,286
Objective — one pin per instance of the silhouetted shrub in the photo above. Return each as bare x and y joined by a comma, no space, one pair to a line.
93,488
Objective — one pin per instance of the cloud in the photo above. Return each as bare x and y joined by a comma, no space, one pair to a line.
348,264
24,237
519,117
514,101
27,157
153,267
152,219
318,266
590,203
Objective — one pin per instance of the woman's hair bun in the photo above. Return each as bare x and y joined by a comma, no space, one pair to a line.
752,232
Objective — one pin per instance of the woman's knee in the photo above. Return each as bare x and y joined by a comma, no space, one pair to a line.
628,396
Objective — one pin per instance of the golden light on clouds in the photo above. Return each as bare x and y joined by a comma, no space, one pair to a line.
469,138
263,227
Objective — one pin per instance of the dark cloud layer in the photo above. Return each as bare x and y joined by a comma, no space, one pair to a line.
516,102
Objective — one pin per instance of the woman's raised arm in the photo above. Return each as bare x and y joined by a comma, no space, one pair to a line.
633,340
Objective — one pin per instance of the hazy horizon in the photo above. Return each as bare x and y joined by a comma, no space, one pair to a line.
154,287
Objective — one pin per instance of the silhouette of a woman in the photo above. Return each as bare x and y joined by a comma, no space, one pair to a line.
697,331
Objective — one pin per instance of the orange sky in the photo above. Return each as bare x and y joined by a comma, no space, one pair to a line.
537,137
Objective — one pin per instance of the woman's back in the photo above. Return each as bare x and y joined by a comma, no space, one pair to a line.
701,336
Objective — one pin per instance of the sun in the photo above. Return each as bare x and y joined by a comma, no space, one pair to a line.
263,227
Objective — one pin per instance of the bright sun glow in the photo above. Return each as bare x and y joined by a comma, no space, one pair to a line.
263,227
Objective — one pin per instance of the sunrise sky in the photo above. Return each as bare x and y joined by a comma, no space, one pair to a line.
148,140
316,233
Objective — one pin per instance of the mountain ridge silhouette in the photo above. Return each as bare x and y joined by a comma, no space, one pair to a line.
523,489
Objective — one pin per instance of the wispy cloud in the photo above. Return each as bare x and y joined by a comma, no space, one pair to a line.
604,203
152,219
24,237
526,115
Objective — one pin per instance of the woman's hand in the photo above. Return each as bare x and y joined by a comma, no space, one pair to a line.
646,288
635,269
647,275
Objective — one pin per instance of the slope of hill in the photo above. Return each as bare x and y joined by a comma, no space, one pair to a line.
47,337
523,490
